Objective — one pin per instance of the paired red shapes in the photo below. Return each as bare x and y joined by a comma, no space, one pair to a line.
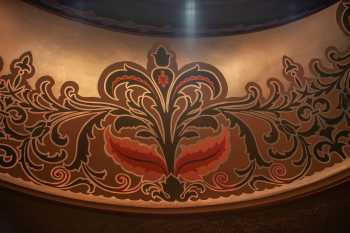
194,161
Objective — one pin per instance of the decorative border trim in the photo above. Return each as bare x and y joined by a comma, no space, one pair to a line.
298,191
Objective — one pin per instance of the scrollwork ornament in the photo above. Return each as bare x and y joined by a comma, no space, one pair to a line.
168,134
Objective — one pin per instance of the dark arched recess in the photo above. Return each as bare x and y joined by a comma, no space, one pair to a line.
184,17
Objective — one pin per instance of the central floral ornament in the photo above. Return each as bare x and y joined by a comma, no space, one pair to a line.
174,134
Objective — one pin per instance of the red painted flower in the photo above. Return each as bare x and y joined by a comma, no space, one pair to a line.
163,79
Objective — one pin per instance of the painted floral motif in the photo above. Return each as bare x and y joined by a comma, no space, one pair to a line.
164,106
165,133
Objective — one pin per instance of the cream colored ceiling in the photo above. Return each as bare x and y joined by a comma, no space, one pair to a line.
69,50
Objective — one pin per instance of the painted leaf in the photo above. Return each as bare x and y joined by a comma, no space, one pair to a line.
128,75
196,76
135,157
201,158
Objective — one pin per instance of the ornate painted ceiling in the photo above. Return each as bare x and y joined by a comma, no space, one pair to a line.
135,123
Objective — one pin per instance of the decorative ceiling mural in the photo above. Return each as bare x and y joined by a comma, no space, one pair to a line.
204,17
169,138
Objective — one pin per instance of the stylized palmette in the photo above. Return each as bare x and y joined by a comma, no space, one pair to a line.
171,131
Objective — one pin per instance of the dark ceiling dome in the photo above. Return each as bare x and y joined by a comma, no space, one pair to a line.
185,17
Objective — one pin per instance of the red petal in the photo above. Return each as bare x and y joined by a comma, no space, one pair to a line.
200,159
135,157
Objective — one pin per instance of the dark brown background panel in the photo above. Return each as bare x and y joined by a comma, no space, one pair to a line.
325,212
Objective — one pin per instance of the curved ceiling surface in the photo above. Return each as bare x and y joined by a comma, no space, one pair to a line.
185,17
138,123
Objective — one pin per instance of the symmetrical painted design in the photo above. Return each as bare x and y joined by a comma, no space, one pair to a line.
164,134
